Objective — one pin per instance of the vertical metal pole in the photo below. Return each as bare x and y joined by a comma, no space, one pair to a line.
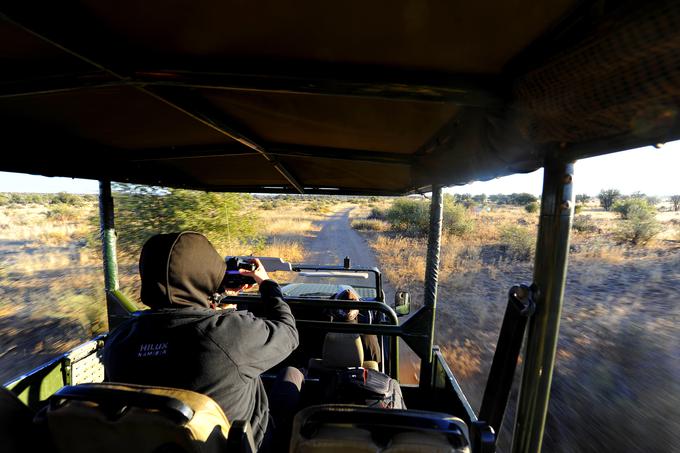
550,271
431,276
108,235
118,307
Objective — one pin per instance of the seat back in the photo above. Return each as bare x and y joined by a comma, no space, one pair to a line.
18,433
343,427
130,418
342,350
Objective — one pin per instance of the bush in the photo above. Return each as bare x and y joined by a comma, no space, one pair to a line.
408,216
62,213
628,205
377,214
578,209
456,219
66,198
639,226
519,242
531,207
413,217
584,224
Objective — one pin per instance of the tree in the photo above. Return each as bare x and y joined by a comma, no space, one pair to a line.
675,199
521,199
481,199
227,219
582,198
608,197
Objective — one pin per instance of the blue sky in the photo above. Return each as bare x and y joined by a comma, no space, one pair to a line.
649,170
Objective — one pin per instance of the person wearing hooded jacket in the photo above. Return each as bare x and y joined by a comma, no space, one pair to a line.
184,342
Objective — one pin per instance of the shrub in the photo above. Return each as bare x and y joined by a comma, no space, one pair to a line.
456,219
62,213
628,205
584,224
413,217
66,198
639,226
409,216
578,209
608,197
519,242
377,214
531,207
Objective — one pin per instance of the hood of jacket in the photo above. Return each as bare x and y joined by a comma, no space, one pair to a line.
180,270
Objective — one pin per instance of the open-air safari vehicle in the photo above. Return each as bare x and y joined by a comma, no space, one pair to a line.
385,98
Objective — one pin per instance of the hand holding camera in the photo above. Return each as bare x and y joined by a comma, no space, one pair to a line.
242,274
259,273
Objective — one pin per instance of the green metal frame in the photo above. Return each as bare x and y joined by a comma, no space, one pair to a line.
434,240
118,306
36,386
550,271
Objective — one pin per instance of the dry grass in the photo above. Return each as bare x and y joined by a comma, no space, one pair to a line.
291,251
619,331
51,279
370,225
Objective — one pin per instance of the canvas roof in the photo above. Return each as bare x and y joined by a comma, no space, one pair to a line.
386,97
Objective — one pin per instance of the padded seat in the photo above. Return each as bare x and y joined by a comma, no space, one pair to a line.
128,418
343,427
339,439
342,350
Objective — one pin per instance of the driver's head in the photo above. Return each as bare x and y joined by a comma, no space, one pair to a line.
342,314
180,270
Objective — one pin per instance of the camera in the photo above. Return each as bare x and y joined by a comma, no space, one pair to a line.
232,277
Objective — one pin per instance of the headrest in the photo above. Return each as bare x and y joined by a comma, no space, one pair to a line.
342,350
111,417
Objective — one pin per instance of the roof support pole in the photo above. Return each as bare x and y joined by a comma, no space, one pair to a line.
118,306
107,231
550,271
431,277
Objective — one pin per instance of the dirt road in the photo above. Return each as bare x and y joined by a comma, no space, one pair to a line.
332,244
336,240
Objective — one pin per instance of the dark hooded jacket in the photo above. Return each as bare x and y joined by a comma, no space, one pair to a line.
183,343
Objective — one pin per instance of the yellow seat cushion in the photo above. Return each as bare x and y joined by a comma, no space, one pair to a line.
84,426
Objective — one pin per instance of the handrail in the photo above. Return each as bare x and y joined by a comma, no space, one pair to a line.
122,300
329,303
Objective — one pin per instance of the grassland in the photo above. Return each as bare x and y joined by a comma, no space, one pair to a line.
618,357
51,279
616,383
